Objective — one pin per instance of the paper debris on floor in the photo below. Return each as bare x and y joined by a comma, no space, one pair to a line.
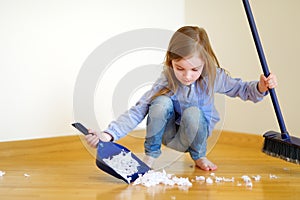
272,176
246,180
2,173
200,178
209,180
152,178
257,177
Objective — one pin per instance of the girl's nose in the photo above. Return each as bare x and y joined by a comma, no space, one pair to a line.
187,75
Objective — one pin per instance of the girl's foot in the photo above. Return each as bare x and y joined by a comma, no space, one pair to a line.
206,165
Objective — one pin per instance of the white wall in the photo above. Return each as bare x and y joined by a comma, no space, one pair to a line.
43,45
45,42
278,25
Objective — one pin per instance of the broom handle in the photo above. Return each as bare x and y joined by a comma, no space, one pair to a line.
265,68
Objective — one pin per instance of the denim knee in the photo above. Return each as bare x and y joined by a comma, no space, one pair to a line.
161,107
191,117
164,101
160,111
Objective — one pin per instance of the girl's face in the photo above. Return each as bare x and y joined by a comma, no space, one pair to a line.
187,70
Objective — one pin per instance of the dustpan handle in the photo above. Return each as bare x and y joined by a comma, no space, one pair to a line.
265,68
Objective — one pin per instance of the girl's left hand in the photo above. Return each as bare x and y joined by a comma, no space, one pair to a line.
267,83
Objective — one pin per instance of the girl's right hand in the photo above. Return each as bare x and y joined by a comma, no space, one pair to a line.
93,138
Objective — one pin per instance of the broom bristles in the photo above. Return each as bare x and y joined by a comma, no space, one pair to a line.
286,149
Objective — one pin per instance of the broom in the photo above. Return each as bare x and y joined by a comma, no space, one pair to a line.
280,145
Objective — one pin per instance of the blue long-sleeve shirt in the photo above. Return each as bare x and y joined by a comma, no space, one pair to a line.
184,97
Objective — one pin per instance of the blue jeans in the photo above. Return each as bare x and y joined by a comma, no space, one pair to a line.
190,136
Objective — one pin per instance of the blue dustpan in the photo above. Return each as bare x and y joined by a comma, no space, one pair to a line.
116,159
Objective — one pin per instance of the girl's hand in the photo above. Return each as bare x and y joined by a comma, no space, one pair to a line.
267,83
93,138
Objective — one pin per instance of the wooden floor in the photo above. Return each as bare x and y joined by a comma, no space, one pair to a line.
62,168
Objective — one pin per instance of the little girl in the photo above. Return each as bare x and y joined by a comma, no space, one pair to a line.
180,104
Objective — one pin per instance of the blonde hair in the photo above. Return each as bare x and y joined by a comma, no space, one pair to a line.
185,42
